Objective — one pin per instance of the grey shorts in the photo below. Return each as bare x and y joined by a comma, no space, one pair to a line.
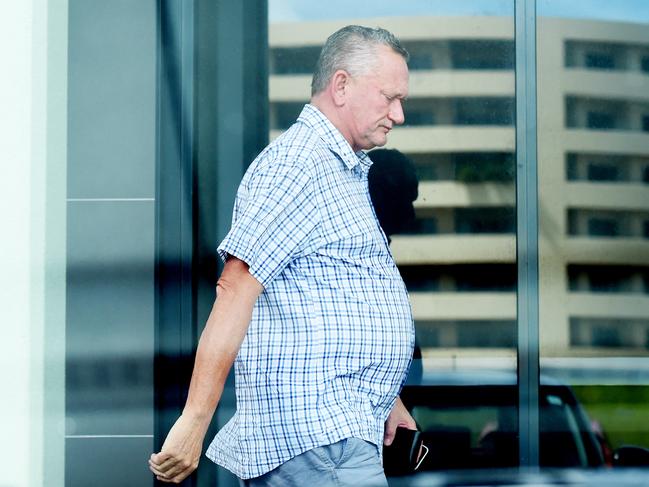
348,463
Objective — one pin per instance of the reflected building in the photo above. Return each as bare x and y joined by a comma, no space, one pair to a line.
459,258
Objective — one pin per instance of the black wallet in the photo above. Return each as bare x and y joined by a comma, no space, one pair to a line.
402,456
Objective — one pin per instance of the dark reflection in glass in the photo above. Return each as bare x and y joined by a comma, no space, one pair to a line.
460,278
469,420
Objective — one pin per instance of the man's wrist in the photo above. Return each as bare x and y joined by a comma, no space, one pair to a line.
197,416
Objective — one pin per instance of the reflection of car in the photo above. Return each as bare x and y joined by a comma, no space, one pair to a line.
469,421
526,478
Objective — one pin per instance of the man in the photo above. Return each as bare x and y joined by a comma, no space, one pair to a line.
310,301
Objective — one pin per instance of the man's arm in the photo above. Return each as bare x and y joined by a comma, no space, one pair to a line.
226,327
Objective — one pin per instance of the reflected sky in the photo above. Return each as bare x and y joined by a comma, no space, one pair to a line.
299,10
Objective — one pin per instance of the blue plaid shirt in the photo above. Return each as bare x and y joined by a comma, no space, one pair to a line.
331,336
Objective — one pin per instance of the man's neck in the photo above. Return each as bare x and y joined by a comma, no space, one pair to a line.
331,111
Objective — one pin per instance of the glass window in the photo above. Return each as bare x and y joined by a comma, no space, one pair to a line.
644,64
603,227
484,220
599,60
603,172
295,60
483,54
483,111
484,166
592,297
601,167
600,120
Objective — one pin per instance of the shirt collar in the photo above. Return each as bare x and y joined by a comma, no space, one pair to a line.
316,120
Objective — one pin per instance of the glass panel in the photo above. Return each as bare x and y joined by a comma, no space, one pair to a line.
457,255
111,219
593,100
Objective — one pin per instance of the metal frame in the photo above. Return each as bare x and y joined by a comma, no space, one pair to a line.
527,233
174,310
212,79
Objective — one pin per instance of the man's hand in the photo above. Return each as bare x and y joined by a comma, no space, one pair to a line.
181,450
399,416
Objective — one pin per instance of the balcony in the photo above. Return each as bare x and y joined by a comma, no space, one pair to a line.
451,194
463,305
604,250
615,306
608,196
454,249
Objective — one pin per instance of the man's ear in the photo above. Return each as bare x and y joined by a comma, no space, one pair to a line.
339,87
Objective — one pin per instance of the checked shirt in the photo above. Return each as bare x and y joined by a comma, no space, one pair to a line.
331,336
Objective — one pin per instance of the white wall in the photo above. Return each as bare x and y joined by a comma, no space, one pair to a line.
15,126
28,37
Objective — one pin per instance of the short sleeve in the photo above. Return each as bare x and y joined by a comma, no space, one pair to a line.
275,222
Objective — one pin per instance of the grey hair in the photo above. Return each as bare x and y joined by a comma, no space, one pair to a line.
353,49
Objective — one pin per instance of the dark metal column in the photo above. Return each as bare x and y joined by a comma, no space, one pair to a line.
175,317
212,121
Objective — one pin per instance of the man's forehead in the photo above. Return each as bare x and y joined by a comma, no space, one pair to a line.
393,72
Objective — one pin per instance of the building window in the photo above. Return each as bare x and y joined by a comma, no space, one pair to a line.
484,220
420,61
645,174
421,226
476,167
482,54
426,171
284,115
419,116
420,278
600,60
644,63
490,334
645,230
606,336
294,60
606,332
603,227
603,172
601,120
484,111
602,281
645,123
428,335
485,278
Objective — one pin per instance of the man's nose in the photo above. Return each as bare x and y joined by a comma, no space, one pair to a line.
396,112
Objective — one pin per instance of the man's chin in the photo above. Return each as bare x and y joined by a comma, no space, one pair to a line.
379,141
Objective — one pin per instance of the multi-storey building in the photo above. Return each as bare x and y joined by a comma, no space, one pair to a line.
459,259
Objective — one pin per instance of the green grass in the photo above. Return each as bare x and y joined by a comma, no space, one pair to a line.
623,412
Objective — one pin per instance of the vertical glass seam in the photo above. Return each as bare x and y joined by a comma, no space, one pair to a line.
527,233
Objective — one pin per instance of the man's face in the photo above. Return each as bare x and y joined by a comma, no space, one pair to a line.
374,101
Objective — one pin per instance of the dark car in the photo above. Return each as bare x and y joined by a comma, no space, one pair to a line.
469,421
